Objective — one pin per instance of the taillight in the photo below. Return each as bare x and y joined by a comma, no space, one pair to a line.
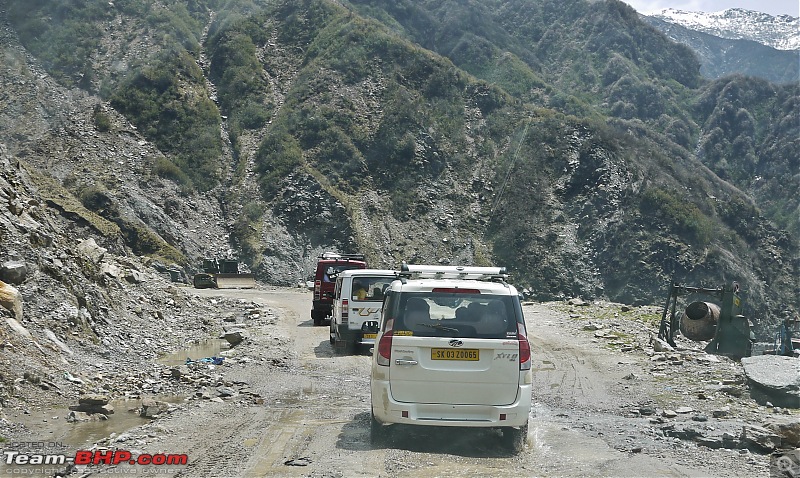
524,349
345,305
317,287
385,345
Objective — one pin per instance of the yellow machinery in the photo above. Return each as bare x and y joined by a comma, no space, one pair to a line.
722,323
223,274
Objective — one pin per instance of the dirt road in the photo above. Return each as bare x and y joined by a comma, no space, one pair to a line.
313,415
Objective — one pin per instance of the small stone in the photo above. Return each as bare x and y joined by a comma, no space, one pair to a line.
700,418
661,345
669,414
305,461
684,410
226,392
723,412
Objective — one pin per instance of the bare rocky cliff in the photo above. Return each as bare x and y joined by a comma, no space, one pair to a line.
408,159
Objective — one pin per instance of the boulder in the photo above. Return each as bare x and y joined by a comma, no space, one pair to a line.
93,403
13,272
93,400
134,277
774,378
91,250
788,430
110,270
152,408
11,300
759,439
76,416
235,336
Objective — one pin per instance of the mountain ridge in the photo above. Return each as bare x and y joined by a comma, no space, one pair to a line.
781,32
333,127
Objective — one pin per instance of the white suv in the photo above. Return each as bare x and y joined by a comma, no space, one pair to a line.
357,302
452,350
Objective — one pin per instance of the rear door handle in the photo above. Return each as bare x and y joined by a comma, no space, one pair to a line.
405,362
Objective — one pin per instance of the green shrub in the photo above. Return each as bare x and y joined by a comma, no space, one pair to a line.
101,120
187,128
164,168
677,213
277,156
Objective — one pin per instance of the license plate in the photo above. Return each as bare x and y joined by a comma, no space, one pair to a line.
455,354
370,336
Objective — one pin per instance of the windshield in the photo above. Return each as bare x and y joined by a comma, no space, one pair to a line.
431,314
370,287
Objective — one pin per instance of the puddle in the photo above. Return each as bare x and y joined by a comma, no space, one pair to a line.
51,426
52,434
202,349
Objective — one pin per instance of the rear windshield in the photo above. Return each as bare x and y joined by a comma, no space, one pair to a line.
330,272
431,314
370,287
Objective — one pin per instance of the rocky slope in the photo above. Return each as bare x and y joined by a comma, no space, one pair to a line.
335,131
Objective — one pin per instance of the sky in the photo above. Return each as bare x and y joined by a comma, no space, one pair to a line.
773,7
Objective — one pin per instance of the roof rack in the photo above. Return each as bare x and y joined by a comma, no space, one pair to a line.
453,272
337,256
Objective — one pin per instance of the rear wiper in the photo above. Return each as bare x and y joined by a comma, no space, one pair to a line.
442,327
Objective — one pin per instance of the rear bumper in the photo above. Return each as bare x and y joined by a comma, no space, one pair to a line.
389,411
354,335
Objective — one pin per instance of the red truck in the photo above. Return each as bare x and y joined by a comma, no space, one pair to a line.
329,265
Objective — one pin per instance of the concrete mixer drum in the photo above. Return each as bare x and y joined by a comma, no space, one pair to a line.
724,325
699,321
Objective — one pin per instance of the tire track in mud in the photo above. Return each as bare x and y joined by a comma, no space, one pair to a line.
316,406
218,453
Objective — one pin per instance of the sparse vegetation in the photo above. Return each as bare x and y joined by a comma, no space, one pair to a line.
562,137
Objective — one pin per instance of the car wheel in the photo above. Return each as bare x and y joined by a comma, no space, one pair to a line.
378,434
515,438
317,317
333,337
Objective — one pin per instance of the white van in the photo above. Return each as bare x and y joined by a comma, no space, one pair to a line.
452,351
357,302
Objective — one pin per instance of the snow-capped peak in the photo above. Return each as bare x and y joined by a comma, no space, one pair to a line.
781,32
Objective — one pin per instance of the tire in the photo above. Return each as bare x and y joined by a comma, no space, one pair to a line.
378,434
515,438
333,335
317,317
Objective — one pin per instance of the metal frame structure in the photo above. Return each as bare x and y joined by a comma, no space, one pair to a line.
733,336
